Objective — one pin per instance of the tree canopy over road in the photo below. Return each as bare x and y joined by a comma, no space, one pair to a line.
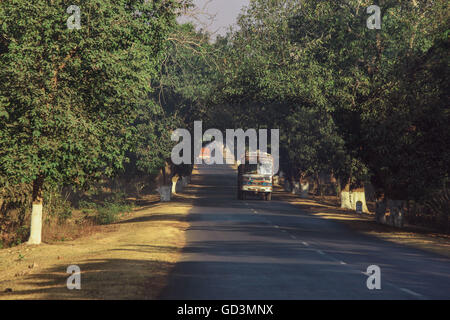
361,105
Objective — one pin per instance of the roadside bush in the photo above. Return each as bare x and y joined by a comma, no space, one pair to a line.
22,234
13,227
117,197
56,206
439,206
83,204
109,213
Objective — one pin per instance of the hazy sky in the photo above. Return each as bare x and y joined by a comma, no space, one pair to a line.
226,12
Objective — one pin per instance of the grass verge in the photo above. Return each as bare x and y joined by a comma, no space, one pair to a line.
130,259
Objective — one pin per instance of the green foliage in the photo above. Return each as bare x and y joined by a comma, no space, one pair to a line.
109,212
67,111
439,204
78,105
388,103
152,145
21,235
56,206
269,80
189,74
75,105
84,204
356,102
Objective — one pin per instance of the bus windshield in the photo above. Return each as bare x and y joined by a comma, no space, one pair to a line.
250,168
261,168
265,168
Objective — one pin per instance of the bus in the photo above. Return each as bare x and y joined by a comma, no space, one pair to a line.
255,179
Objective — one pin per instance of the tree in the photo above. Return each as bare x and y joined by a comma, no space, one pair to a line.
322,63
270,80
371,83
69,96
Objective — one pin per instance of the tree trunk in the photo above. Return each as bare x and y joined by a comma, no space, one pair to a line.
287,185
174,184
292,185
303,186
346,202
359,195
397,212
349,198
380,211
165,193
338,187
165,183
295,188
36,213
304,189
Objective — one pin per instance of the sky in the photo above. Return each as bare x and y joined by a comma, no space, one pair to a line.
226,12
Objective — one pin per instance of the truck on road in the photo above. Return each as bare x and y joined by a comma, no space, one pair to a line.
256,179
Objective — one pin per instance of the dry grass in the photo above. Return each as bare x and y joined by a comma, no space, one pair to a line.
130,259
55,231
81,224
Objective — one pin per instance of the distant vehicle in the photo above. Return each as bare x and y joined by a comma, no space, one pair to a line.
257,178
205,153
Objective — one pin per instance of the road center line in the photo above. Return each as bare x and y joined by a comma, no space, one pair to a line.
411,292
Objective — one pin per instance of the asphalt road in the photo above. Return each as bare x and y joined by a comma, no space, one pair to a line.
257,249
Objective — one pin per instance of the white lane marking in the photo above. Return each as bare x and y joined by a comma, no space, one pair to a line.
305,243
342,262
283,230
275,226
293,237
320,252
411,292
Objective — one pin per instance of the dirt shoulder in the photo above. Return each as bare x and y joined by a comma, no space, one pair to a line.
130,259
416,237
